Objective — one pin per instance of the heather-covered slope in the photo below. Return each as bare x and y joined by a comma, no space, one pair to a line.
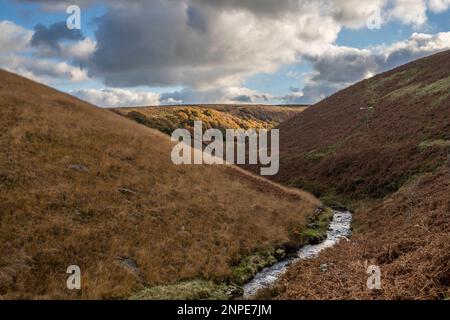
369,139
381,147
84,186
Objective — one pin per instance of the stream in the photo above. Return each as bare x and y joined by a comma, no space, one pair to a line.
339,228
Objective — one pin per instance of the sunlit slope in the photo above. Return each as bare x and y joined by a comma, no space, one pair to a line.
84,186
168,118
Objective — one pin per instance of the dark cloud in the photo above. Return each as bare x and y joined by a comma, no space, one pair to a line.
313,92
164,43
52,36
242,98
59,5
266,7
196,19
343,67
219,95
155,43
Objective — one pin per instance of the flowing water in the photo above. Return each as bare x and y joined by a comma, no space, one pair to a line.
339,228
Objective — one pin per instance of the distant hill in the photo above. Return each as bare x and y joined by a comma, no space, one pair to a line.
80,185
381,147
168,118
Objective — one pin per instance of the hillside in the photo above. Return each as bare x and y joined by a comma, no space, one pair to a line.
168,118
84,186
368,140
381,147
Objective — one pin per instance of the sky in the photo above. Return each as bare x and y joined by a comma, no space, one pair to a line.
157,52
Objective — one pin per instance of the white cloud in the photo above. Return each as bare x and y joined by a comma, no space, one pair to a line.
211,47
216,95
19,56
412,12
80,51
202,46
439,5
419,43
339,67
13,37
354,13
45,71
118,97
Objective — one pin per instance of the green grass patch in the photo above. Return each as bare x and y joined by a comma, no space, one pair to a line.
403,78
254,263
412,90
317,228
316,156
442,85
434,143
419,90
187,290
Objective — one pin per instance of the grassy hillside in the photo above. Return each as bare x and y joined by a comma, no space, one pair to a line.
167,119
384,143
81,185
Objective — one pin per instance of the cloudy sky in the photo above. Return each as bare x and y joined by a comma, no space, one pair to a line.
216,51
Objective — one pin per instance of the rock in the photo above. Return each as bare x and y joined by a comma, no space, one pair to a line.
127,191
319,210
130,265
313,225
79,167
315,240
323,267
280,253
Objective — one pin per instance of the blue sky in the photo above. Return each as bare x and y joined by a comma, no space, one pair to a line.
269,68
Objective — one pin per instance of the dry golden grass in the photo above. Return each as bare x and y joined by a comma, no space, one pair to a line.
175,222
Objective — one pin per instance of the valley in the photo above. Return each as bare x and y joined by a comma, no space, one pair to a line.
380,149
90,187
